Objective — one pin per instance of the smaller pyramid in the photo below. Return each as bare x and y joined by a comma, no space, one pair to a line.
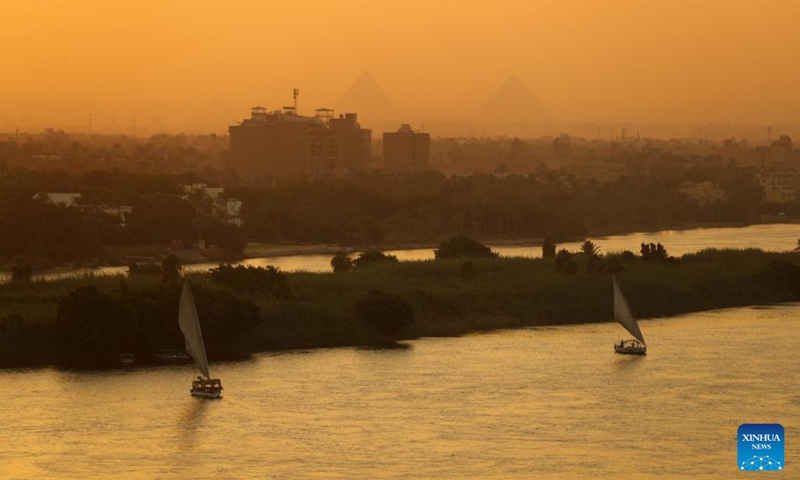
366,98
512,103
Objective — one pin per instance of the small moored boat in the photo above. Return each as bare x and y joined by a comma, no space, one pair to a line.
172,356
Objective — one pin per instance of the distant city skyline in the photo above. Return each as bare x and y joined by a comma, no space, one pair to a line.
195,66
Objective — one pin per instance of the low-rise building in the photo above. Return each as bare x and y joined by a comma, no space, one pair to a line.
58,198
228,209
779,184
702,192
120,212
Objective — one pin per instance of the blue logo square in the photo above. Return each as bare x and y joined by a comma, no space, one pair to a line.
761,447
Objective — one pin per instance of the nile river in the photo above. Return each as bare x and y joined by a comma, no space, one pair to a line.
546,403
773,237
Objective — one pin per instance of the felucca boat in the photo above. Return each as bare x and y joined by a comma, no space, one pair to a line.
203,386
623,314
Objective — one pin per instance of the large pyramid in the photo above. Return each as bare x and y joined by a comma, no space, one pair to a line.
366,98
512,103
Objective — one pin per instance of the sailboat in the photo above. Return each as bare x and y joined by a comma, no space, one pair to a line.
204,386
623,314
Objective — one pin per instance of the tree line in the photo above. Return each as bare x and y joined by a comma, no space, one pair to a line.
368,209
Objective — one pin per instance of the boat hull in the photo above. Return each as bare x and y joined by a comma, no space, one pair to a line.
206,388
212,395
631,351
127,359
630,347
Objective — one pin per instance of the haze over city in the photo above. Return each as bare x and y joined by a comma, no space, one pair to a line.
197,67
509,239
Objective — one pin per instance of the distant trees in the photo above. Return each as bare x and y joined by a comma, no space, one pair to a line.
160,219
360,210
35,228
460,246
225,236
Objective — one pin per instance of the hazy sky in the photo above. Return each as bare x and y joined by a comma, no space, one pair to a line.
628,60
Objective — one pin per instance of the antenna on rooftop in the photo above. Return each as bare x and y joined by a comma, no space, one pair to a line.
295,93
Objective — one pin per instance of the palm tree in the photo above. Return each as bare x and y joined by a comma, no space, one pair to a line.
590,249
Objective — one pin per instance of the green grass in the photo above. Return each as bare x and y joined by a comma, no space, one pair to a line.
503,293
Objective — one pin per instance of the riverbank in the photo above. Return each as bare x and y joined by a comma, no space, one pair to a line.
123,256
501,293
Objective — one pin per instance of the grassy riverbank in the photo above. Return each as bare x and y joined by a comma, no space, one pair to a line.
502,293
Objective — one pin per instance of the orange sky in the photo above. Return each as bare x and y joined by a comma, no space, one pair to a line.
681,61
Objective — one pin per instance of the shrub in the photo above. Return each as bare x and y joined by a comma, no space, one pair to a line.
565,263
93,327
780,275
595,264
171,269
21,270
614,265
548,247
23,342
460,246
341,262
143,268
387,312
367,258
466,270
252,279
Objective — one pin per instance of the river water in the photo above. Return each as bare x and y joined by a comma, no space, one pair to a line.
552,402
773,237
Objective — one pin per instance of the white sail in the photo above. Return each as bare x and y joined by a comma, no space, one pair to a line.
623,314
190,326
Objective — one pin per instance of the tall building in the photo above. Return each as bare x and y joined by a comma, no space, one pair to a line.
406,149
282,143
781,150
352,144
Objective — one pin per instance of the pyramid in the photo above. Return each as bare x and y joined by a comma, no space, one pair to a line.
512,103
366,98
